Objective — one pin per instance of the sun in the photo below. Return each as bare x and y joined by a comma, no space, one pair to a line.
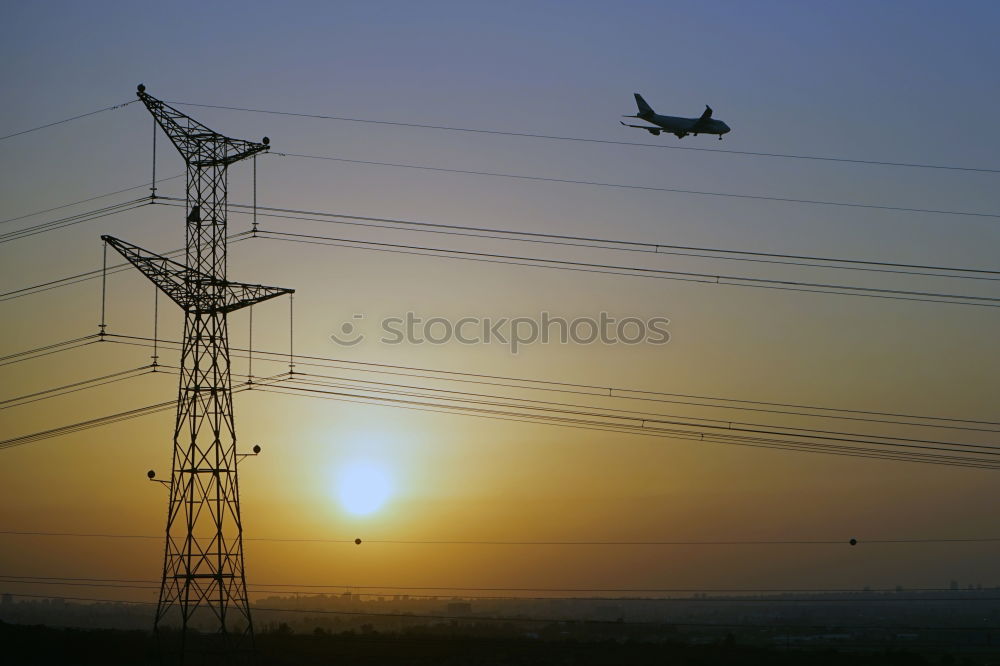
362,487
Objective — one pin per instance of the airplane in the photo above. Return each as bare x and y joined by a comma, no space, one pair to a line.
679,127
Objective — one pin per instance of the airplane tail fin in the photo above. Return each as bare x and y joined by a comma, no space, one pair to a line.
644,108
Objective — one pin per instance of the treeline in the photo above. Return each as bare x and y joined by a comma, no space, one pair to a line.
278,645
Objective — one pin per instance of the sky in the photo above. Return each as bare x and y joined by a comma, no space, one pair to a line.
910,82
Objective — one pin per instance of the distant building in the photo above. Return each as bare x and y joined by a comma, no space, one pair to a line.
7,600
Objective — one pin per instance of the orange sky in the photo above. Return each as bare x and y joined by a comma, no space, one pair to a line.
461,478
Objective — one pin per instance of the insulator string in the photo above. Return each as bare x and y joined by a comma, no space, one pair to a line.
152,188
250,351
156,322
104,290
291,334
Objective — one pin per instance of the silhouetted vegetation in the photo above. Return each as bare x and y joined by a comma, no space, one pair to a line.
445,645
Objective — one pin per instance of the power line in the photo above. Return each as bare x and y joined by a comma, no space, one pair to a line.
634,271
611,590
67,281
914,424
110,419
728,542
529,542
919,453
772,411
66,120
94,274
643,426
915,165
650,188
74,203
634,416
90,535
824,441
530,619
46,350
71,220
640,419
598,390
934,456
927,451
76,386
701,600
81,277
651,248
86,425
29,352
609,244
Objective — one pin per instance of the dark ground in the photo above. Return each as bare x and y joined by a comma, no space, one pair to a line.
41,645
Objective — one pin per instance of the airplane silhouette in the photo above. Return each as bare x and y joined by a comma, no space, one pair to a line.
679,127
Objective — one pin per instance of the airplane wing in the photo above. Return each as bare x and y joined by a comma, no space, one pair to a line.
655,131
705,117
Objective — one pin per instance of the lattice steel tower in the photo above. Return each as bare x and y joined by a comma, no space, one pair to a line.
203,607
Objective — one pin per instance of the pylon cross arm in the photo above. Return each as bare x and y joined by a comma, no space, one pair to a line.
240,294
197,144
193,291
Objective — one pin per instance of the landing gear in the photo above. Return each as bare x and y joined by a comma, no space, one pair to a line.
720,137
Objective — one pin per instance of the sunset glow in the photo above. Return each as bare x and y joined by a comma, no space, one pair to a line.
456,332
362,487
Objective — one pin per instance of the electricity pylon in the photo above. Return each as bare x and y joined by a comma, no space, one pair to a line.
203,606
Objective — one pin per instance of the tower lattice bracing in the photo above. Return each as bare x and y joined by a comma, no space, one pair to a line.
203,605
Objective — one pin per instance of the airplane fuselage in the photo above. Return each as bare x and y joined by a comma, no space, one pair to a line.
678,125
